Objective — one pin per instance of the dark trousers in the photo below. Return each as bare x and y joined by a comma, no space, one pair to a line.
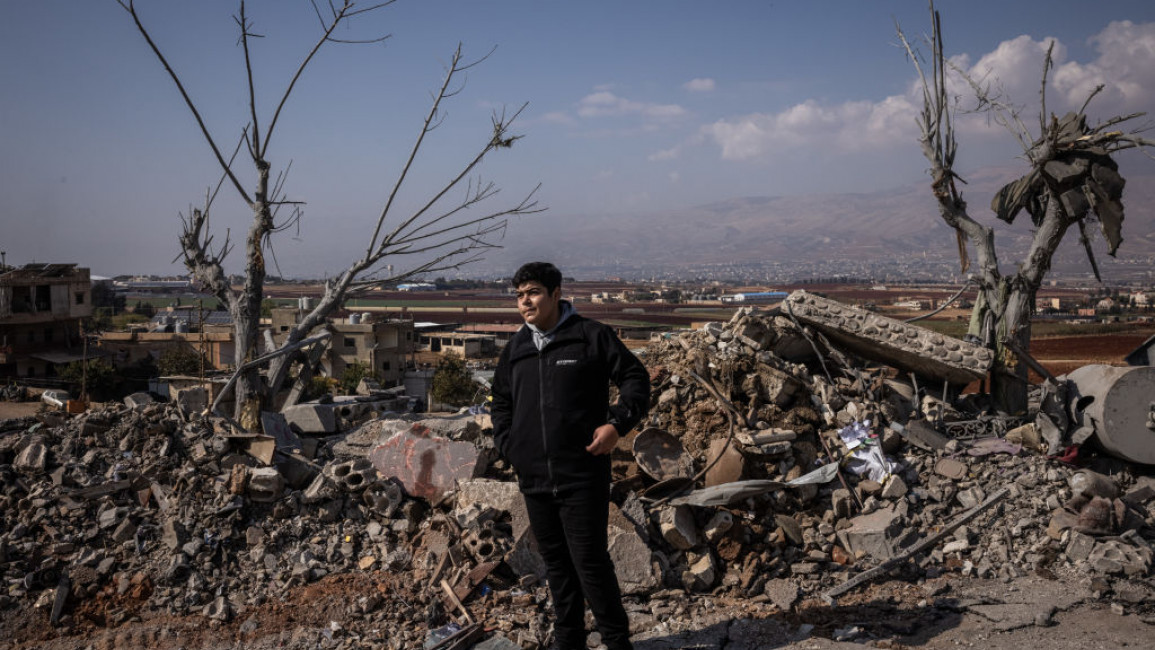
570,528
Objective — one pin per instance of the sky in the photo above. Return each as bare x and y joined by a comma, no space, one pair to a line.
631,107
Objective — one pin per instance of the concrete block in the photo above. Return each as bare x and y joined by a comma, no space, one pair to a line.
1079,547
879,535
678,527
265,484
895,488
125,531
499,495
320,489
719,525
783,593
33,459
311,418
971,497
900,345
484,544
773,385
297,471
702,574
791,528
841,503
497,642
354,475
138,399
383,497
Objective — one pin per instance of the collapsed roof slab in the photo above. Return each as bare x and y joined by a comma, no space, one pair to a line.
907,347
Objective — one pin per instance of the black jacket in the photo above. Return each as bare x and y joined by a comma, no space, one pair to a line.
547,404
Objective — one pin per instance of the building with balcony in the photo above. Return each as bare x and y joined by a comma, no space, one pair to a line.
41,309
385,346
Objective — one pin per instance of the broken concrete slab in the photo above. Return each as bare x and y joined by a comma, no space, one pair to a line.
1116,557
701,574
879,535
678,527
426,466
137,400
33,458
902,345
311,418
783,593
277,426
192,401
499,495
632,561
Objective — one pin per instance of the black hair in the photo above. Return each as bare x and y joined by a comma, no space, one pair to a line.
543,272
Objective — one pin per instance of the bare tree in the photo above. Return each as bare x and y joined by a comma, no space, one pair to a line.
442,233
1073,179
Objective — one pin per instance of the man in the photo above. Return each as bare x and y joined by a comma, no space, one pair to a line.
553,421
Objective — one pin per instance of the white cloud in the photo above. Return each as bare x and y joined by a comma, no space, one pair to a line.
1125,64
700,85
604,103
850,126
666,154
557,117
1016,66
674,177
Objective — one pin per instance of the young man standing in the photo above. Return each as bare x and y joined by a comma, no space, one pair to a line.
553,421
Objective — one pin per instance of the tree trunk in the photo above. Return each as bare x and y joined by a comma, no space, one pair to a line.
1009,372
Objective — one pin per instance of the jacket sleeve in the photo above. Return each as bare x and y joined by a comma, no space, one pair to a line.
501,409
632,380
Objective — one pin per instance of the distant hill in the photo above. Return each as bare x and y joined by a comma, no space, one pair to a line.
886,224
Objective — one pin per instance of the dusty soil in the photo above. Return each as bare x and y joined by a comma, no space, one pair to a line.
1062,354
18,409
1059,613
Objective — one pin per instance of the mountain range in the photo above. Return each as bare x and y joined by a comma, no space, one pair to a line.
867,227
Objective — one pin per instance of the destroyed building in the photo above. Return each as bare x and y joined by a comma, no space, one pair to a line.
41,307
384,346
791,457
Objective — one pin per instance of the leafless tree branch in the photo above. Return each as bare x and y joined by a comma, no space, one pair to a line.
130,7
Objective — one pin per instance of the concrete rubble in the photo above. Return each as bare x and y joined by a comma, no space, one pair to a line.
777,466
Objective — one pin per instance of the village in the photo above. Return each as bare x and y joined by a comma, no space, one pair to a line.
813,471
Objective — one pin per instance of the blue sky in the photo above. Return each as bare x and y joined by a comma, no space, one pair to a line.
636,106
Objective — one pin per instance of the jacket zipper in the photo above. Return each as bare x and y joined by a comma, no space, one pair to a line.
541,412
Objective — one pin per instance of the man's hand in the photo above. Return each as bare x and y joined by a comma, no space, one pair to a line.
605,439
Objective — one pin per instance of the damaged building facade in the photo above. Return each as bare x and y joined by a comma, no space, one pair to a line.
41,308
384,346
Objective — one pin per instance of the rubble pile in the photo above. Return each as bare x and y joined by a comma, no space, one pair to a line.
909,462
775,468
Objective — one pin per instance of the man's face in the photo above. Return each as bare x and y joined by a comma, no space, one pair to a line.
538,306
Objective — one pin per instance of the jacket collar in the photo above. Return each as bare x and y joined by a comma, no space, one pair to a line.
565,330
